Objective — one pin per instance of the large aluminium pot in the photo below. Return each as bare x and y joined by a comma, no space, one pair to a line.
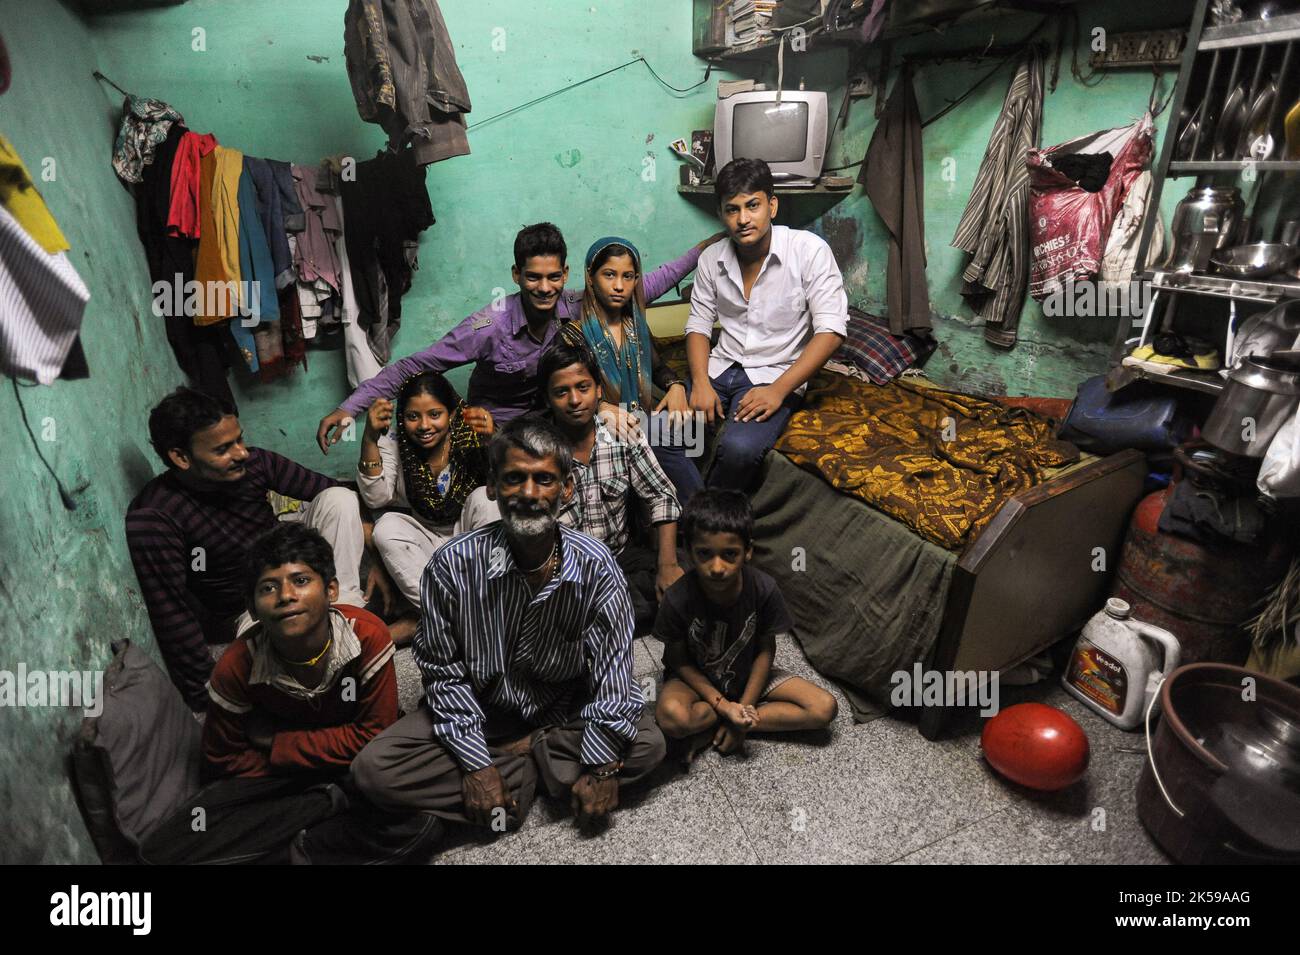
1207,219
1260,395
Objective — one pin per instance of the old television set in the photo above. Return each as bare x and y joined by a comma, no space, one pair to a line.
788,133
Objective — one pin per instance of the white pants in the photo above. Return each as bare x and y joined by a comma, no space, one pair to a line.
335,514
406,544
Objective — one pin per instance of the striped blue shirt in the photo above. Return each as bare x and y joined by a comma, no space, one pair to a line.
485,642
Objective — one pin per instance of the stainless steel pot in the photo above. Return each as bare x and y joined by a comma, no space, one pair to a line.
1207,219
1276,330
1261,394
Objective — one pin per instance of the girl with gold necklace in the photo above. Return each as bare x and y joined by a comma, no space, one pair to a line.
422,457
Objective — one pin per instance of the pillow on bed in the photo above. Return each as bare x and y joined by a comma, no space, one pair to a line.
880,356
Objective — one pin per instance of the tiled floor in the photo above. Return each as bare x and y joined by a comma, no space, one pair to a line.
875,792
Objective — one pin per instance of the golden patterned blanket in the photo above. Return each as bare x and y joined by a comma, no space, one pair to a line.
941,462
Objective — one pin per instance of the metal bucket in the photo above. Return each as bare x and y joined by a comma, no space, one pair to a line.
1209,730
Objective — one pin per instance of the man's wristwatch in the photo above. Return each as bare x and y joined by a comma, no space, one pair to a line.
608,772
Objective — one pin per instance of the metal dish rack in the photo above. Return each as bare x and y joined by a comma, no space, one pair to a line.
1250,54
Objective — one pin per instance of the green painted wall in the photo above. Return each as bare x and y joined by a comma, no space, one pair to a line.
271,81
1053,354
66,584
274,84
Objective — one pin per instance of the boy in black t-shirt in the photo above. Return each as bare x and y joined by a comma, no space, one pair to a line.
719,625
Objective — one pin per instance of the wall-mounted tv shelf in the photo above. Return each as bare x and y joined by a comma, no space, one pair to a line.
798,207
781,192
766,49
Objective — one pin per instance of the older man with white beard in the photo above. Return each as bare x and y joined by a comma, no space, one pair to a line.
525,647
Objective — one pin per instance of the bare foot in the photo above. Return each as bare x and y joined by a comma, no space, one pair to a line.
691,746
402,630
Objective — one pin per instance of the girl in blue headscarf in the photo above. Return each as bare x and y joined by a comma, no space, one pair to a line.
612,324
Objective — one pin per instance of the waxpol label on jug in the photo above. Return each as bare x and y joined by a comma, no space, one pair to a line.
1099,677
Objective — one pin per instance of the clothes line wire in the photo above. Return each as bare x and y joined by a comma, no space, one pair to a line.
708,70
564,89
100,76
1013,51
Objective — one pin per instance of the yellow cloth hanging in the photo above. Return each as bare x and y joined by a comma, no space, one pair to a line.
218,256
19,196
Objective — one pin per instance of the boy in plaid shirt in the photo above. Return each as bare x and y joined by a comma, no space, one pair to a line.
607,471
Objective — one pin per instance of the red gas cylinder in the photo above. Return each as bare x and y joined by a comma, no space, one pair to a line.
1202,593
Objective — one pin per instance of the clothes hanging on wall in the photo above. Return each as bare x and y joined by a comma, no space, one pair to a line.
217,263
201,351
145,124
262,237
994,227
1120,258
278,210
362,365
1069,224
42,298
387,207
894,178
315,248
183,215
404,76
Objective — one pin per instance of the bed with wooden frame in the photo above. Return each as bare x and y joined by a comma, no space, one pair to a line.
1031,577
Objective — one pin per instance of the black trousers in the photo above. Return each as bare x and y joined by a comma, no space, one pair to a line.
640,566
283,819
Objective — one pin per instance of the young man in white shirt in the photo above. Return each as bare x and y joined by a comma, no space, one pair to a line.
779,297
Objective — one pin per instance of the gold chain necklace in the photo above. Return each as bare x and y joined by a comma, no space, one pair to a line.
305,663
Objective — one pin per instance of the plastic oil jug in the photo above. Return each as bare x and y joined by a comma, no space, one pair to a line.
1115,667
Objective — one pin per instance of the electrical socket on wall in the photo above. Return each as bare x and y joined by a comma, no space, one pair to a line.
861,87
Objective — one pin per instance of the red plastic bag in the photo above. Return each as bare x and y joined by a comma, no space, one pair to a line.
1069,226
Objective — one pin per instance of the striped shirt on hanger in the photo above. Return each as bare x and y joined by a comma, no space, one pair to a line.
485,643
994,227
42,300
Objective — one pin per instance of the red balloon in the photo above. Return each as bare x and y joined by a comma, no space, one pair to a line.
1036,745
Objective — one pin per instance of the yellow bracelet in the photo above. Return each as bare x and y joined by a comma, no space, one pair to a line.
373,464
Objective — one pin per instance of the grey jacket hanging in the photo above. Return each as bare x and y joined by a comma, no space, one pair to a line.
895,180
404,75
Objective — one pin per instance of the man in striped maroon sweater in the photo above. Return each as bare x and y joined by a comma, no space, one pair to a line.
189,530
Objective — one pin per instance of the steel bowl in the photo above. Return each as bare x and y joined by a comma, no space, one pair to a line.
1255,260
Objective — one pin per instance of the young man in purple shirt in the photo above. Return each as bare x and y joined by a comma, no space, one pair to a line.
505,339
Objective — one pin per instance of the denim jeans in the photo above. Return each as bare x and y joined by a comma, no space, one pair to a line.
670,451
742,445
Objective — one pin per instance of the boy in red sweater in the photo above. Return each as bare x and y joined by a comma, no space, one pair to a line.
304,686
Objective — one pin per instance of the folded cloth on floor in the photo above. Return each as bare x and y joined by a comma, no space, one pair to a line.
870,347
941,462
